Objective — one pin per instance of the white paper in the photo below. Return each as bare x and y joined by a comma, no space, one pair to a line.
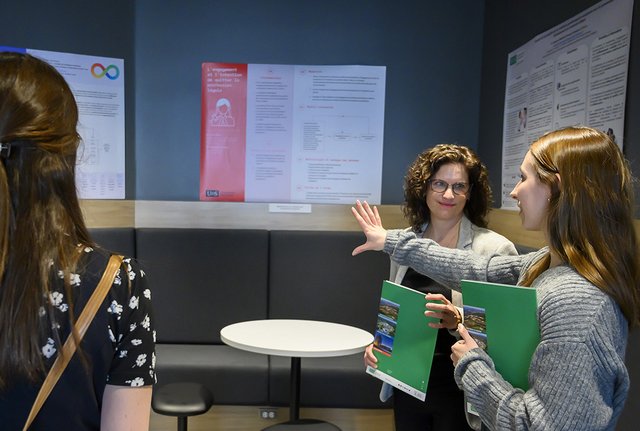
573,74
314,133
98,86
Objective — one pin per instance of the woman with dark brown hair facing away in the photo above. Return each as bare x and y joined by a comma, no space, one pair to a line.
49,267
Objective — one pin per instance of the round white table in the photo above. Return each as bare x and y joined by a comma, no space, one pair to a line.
296,339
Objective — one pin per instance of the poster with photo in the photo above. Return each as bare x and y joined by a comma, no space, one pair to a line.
573,74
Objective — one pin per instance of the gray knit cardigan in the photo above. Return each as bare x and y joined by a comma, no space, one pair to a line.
577,378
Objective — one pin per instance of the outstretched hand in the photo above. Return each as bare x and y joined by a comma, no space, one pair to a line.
371,225
459,349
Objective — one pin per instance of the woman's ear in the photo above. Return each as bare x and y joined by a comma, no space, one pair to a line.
559,180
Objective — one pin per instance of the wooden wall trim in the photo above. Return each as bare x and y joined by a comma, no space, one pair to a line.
507,223
108,213
240,215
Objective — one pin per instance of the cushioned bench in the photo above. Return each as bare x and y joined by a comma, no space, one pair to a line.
121,240
312,275
204,279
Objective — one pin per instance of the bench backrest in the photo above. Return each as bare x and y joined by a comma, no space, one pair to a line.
204,279
312,275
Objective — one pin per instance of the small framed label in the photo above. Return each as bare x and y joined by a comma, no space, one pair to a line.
290,208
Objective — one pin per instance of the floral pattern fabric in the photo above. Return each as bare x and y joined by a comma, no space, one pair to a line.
129,324
117,349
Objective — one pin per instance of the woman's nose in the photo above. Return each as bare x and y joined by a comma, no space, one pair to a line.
448,193
514,193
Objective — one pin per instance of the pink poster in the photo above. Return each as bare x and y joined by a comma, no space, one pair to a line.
223,132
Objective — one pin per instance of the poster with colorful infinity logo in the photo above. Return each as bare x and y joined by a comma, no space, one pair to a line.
98,86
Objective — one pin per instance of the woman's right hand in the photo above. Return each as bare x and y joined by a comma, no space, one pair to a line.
441,308
369,358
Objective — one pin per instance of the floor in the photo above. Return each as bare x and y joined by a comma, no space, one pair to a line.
247,418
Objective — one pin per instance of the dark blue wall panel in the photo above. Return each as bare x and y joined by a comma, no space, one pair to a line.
432,51
79,27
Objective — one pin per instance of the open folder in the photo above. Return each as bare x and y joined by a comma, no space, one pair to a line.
503,320
403,343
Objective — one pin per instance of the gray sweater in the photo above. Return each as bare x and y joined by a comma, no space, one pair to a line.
577,377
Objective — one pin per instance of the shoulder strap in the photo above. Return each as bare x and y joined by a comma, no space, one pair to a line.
69,348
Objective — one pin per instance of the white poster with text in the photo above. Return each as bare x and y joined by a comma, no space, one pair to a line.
313,134
573,74
98,86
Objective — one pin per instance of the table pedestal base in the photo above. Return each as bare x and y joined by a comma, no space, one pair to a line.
303,425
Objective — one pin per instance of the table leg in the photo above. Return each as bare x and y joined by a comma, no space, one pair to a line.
295,423
294,390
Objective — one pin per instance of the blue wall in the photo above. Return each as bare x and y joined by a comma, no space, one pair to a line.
79,27
432,51
445,67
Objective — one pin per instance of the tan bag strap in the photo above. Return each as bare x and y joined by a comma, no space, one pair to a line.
69,348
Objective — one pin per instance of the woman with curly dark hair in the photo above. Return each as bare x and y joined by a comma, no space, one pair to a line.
417,184
447,199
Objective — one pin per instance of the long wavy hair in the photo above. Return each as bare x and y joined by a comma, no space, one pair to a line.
590,214
416,184
41,224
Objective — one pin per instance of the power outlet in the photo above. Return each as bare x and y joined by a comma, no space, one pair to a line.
267,413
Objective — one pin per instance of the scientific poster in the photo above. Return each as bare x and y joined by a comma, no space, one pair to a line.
284,133
98,86
573,74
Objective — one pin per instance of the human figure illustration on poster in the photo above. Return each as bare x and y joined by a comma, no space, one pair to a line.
522,117
222,116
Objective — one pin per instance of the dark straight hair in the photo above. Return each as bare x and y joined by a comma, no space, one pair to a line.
41,224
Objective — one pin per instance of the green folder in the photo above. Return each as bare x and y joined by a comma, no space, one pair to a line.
503,319
403,343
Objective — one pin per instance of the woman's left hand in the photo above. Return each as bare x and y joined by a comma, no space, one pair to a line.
444,310
371,224
459,349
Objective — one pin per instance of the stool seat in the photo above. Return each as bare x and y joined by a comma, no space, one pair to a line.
182,399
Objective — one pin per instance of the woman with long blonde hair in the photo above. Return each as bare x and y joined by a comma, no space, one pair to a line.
576,187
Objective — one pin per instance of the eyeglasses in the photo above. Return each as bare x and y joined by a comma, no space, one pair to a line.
440,186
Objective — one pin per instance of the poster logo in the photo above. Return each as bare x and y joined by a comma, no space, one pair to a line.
222,117
98,71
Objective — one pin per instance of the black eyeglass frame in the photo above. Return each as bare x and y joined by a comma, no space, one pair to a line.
453,187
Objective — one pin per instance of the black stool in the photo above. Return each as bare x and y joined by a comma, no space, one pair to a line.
182,400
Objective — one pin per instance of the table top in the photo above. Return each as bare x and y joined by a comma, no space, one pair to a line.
298,338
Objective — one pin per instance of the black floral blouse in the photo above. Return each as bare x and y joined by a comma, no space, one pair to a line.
118,348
